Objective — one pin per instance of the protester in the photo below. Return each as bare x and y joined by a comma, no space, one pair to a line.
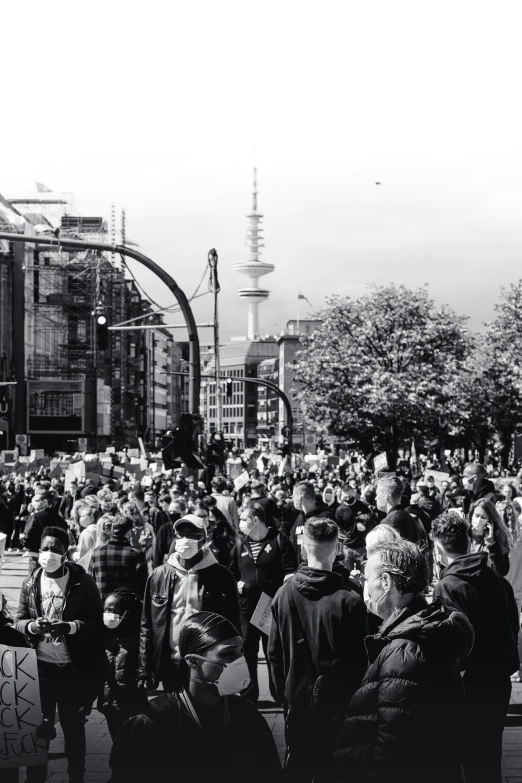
122,698
116,563
261,561
166,534
470,584
203,731
382,534
190,581
489,534
305,503
225,504
43,516
404,723
60,613
389,492
476,485
316,646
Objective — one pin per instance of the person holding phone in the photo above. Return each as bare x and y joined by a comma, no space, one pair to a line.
489,534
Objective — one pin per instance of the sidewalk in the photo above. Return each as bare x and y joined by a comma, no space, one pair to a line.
99,741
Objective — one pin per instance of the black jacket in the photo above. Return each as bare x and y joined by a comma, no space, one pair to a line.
82,603
404,722
276,560
121,691
296,534
481,489
37,524
486,598
408,526
348,517
164,740
164,538
334,620
219,596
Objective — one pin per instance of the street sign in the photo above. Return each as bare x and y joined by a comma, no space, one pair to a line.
82,444
286,431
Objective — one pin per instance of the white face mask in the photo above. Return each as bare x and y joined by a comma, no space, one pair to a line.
234,678
371,605
187,547
111,620
50,561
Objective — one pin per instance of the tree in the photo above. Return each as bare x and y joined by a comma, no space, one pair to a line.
379,369
503,371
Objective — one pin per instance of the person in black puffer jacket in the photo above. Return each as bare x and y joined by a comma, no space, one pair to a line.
404,723
122,698
468,583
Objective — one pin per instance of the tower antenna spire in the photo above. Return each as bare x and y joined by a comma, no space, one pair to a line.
254,268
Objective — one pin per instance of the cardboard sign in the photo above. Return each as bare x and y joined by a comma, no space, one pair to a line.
20,709
380,462
262,617
241,481
37,454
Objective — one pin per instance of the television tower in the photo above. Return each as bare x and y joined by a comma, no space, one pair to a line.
254,268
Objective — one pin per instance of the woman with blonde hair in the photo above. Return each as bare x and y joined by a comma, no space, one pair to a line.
489,534
382,534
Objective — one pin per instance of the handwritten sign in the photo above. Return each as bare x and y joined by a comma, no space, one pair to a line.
262,617
241,481
20,710
380,462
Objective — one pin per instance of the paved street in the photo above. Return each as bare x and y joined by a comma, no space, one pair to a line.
99,741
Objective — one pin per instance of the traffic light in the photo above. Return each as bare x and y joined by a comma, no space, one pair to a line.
182,445
216,449
229,385
102,333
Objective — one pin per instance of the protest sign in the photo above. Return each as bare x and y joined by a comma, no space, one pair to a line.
36,454
133,453
380,462
241,481
20,709
262,617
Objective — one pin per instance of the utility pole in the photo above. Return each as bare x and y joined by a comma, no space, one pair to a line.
214,287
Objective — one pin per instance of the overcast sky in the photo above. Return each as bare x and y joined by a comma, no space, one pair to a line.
159,107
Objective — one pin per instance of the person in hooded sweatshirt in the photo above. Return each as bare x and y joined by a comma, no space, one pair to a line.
190,581
476,485
404,723
468,583
318,630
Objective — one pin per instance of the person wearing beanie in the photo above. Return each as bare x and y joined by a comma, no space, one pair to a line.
190,581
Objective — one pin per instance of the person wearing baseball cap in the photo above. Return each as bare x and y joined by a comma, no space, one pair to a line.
190,581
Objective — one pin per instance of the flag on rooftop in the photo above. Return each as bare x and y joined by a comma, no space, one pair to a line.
302,296
41,188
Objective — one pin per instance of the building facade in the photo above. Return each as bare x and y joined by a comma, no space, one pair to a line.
289,344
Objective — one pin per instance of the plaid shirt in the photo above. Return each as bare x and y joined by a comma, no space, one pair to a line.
118,564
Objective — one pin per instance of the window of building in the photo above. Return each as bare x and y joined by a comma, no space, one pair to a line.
225,427
232,427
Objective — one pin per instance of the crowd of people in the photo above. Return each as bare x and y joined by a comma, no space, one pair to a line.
393,641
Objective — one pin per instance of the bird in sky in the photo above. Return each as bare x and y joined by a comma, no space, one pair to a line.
378,183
